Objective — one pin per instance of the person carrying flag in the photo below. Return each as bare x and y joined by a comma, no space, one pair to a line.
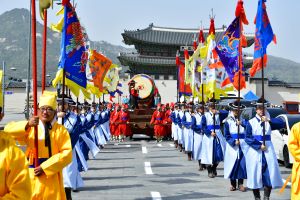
234,159
262,166
54,149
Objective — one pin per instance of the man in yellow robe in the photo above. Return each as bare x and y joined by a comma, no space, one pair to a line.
54,149
14,174
294,148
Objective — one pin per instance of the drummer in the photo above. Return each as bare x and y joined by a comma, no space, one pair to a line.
134,93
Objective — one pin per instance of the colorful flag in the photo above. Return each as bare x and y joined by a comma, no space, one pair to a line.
184,89
96,70
263,37
74,54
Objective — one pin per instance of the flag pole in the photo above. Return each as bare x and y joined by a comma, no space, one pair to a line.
263,98
28,68
63,92
34,76
44,51
3,87
239,75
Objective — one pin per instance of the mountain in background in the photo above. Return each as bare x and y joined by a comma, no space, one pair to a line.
14,36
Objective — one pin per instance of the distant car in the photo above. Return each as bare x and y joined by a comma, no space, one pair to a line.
250,112
280,138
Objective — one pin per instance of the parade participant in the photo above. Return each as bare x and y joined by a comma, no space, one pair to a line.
134,94
54,149
157,121
71,174
105,115
99,135
180,127
168,121
114,122
198,126
262,165
124,127
188,131
213,143
294,146
87,138
174,118
234,160
14,180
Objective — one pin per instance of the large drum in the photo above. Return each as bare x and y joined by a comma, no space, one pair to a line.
145,86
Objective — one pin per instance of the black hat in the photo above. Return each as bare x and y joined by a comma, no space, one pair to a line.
211,102
260,102
67,99
236,104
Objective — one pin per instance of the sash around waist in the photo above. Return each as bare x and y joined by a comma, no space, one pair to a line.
212,127
238,136
261,137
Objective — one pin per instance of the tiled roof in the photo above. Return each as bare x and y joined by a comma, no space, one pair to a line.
170,36
128,58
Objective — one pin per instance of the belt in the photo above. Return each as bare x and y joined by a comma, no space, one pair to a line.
212,127
40,161
261,137
124,118
158,118
238,136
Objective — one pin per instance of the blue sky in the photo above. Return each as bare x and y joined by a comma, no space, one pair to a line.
106,20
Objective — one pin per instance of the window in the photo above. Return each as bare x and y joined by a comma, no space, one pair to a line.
161,77
171,77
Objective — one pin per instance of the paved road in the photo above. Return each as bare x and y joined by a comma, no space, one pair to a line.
142,170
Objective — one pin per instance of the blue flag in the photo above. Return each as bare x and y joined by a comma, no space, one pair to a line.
228,49
74,54
263,37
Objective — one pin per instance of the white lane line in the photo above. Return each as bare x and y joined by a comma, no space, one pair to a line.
160,145
155,195
172,145
144,150
128,145
148,169
289,183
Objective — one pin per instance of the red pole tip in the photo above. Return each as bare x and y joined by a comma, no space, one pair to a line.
240,12
201,36
212,27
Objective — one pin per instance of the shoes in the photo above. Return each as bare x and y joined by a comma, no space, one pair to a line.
211,175
266,198
242,188
232,188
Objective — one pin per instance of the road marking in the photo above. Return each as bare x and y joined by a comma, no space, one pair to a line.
144,150
116,144
289,183
128,145
172,145
155,195
160,145
148,169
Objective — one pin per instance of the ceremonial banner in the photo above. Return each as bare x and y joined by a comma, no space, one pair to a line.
74,53
263,37
97,69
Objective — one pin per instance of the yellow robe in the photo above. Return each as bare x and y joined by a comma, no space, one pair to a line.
294,148
49,185
14,174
